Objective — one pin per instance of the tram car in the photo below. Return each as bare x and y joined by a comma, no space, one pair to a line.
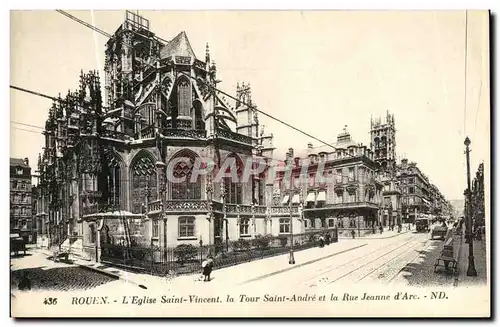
422,224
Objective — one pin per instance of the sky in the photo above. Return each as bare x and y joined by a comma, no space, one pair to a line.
317,70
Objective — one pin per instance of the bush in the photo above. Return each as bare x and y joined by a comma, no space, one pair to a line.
261,242
242,245
185,252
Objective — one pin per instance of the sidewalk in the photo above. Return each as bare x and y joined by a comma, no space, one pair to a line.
230,275
480,263
237,274
387,233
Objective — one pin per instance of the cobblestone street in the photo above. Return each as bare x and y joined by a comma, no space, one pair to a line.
45,274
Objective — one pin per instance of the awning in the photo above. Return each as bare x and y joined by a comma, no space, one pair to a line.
311,197
321,196
285,199
295,199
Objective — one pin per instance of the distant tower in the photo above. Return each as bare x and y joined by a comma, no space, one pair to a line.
383,142
246,115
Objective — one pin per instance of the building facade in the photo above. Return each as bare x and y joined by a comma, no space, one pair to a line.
21,217
419,195
162,113
337,186
132,167
477,198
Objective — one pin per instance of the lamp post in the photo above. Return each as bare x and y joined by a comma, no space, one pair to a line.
209,190
471,270
291,259
223,196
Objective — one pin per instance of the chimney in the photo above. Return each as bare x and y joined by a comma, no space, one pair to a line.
27,161
290,151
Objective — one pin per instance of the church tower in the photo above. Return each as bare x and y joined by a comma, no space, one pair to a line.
383,142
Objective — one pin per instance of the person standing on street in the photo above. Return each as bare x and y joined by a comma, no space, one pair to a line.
207,266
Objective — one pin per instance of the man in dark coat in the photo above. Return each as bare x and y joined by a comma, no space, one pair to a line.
207,266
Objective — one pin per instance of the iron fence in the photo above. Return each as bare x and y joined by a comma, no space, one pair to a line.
187,259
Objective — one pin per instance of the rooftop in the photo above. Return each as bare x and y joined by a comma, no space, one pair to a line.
18,162
178,46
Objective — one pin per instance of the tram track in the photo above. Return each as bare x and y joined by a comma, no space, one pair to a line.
332,267
405,246
403,253
408,262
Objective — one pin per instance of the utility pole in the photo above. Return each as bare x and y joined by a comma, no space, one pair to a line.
471,270
291,260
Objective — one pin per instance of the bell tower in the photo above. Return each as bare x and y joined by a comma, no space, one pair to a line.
383,142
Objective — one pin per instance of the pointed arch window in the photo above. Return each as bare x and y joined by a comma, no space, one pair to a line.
234,188
143,183
113,180
184,96
186,189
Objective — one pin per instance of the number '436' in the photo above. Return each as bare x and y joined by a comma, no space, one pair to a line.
50,301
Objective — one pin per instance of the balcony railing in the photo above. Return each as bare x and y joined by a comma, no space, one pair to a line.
202,206
185,133
229,135
113,135
245,209
346,205
179,206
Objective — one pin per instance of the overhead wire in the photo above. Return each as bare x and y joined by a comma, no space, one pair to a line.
94,28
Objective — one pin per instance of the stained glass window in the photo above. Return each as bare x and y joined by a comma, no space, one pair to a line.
186,189
234,188
184,92
114,181
143,183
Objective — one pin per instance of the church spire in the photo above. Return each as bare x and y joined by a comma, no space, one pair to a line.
207,56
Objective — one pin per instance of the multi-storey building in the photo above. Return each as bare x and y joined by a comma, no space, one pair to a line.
477,197
20,199
337,185
419,195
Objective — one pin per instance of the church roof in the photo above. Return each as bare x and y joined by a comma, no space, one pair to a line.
178,46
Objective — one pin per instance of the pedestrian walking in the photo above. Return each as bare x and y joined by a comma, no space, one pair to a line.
381,228
207,266
353,233
327,239
321,241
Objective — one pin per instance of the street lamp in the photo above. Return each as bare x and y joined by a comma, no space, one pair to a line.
223,196
209,191
291,259
471,270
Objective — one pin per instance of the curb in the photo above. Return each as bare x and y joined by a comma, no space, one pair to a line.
101,271
375,238
88,267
